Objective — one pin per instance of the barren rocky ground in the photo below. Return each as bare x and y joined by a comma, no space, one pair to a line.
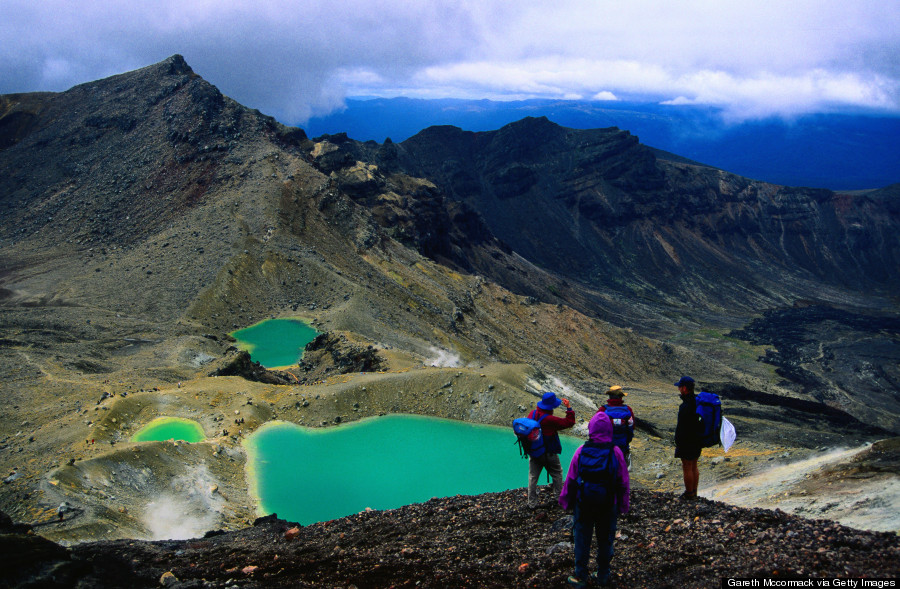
488,540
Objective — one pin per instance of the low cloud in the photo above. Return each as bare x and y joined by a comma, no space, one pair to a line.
604,95
295,60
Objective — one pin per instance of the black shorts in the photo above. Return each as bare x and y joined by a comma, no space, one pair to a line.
687,452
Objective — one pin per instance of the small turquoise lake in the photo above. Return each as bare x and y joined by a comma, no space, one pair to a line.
309,475
275,343
170,428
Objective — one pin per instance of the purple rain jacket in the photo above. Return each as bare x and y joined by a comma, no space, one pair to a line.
599,430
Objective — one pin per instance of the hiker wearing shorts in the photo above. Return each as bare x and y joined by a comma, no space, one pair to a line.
598,489
687,437
622,417
550,427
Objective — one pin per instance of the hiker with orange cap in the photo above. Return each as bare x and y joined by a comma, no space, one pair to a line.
622,418
550,426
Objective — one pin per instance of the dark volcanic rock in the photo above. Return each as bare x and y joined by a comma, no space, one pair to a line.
28,560
411,210
240,364
846,359
331,353
493,540
644,239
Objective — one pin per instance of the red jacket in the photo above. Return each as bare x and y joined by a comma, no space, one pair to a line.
551,425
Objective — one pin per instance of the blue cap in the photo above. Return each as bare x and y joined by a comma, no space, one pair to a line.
684,380
549,401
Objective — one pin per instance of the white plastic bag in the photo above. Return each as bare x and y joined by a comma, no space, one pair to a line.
727,435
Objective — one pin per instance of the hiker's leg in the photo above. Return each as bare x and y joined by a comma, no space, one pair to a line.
534,472
554,468
582,530
687,473
606,538
695,477
691,475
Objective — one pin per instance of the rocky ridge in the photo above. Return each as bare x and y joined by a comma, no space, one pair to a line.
489,540
593,196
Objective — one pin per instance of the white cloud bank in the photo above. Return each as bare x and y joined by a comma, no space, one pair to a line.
296,59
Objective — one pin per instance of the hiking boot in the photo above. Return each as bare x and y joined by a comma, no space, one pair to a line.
598,581
574,581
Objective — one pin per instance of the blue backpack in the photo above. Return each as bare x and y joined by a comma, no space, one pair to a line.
623,431
709,408
597,473
529,436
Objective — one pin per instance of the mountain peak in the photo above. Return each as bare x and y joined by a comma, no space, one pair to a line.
533,122
174,65
177,65
184,128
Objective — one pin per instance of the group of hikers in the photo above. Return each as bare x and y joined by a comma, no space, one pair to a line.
597,487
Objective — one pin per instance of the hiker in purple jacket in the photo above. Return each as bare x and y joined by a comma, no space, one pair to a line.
596,501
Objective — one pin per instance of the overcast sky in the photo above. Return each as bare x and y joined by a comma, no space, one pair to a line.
296,59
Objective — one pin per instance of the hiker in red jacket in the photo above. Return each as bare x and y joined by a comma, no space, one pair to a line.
550,427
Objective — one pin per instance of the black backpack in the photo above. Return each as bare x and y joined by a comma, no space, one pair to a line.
597,473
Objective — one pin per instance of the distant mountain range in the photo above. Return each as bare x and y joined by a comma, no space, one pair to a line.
836,151
602,209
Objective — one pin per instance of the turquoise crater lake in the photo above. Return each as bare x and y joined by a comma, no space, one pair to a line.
170,428
275,343
310,475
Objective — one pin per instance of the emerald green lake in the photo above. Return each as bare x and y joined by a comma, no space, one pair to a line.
275,342
310,475
170,428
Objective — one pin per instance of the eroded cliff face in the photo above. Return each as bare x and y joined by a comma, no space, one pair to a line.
601,209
